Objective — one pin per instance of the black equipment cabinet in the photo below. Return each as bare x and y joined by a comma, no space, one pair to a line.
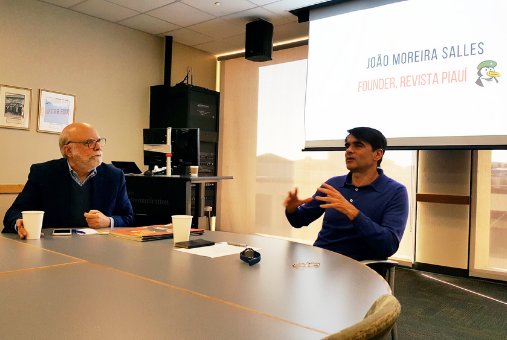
184,106
188,106
156,198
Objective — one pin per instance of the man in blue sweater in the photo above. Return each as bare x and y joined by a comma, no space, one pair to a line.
76,191
365,211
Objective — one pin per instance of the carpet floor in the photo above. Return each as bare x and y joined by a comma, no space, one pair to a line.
431,309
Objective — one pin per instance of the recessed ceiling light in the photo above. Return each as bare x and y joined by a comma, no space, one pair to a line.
218,3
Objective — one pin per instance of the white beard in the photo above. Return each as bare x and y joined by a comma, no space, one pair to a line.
87,164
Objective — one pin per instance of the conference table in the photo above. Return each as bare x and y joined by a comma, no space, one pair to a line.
104,287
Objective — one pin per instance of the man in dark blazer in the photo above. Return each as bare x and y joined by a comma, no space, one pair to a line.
76,191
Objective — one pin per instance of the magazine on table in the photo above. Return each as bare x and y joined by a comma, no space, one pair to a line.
150,233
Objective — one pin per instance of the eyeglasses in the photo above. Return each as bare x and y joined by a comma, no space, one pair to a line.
91,143
307,264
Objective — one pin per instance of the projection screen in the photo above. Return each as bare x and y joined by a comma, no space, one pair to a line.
427,73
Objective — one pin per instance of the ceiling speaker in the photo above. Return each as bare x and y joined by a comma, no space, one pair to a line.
259,41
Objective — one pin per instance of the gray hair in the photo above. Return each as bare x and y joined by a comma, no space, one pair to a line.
63,140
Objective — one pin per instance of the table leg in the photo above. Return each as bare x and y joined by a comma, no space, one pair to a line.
199,199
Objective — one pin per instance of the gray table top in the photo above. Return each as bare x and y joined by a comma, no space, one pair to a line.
104,287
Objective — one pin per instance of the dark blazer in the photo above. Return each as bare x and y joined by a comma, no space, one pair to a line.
48,189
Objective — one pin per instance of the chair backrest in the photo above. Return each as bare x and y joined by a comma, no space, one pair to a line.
377,323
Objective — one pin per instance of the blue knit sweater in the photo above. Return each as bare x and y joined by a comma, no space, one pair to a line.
376,231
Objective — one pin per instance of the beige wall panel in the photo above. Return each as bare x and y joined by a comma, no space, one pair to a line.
221,72
238,138
443,229
442,234
204,66
444,172
482,204
6,201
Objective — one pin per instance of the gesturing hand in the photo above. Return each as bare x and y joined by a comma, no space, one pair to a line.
337,201
292,201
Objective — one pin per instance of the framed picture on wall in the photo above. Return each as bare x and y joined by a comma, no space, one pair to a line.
15,107
56,111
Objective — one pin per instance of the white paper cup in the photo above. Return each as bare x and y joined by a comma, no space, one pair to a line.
181,227
32,221
194,171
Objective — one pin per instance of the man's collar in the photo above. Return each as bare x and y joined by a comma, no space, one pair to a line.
75,176
378,184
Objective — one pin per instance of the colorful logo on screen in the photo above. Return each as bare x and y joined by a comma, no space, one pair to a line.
487,74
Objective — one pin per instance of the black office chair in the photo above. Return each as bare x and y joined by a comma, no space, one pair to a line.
386,269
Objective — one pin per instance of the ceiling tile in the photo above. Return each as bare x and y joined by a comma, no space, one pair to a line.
284,6
104,10
218,28
180,14
262,2
237,41
285,14
216,47
187,37
63,3
243,18
288,5
148,24
290,31
198,23
226,6
142,5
